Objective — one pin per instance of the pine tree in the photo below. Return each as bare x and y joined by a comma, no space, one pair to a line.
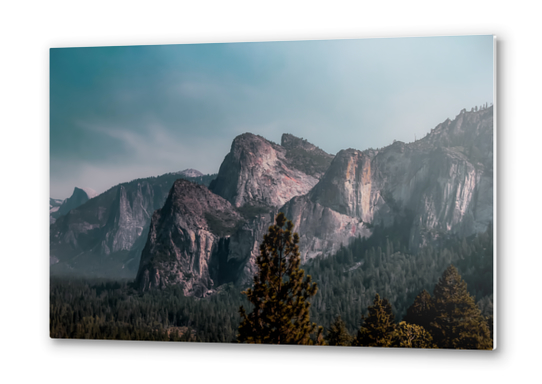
458,322
422,311
378,326
280,293
411,336
337,334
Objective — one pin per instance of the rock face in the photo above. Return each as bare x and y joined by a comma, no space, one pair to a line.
442,184
258,172
104,236
188,241
78,198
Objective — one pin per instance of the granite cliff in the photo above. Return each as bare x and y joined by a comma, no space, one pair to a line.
186,241
172,232
104,236
441,186
258,172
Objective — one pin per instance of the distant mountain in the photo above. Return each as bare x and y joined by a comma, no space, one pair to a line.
104,236
59,208
441,186
191,173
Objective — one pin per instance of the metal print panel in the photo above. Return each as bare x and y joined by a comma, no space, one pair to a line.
327,193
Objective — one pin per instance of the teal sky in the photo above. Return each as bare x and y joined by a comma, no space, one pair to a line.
119,113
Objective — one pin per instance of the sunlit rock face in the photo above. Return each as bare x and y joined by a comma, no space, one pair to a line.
442,184
258,172
200,238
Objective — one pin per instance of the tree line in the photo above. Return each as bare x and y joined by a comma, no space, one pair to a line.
343,295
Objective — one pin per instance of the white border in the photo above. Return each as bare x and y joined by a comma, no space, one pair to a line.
29,29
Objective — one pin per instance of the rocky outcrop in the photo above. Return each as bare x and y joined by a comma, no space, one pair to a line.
78,198
188,242
258,172
104,236
442,184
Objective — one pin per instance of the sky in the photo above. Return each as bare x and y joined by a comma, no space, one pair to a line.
121,113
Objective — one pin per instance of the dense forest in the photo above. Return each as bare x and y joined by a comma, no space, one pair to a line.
348,284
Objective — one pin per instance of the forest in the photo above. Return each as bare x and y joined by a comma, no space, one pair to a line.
371,277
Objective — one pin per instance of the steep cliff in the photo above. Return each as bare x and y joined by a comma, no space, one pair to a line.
258,172
104,236
188,240
442,184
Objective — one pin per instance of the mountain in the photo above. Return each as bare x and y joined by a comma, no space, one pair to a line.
59,208
104,236
200,251
185,243
191,173
440,186
258,172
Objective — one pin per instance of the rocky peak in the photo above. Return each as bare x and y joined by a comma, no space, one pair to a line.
104,237
78,198
257,172
184,242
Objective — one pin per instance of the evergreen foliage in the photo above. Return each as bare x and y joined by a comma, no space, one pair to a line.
337,334
411,336
347,284
377,327
280,293
458,322
422,311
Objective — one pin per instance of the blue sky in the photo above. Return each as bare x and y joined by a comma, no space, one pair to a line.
119,113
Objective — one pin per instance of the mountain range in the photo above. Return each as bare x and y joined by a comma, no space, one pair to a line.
202,231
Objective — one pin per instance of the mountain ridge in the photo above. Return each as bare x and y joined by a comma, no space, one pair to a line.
432,183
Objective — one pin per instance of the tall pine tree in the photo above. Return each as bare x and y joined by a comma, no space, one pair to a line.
337,334
280,293
422,311
377,327
458,322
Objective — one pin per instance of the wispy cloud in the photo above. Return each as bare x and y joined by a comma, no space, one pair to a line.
141,111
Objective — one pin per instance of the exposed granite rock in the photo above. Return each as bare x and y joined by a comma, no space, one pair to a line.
258,172
442,183
104,236
187,239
